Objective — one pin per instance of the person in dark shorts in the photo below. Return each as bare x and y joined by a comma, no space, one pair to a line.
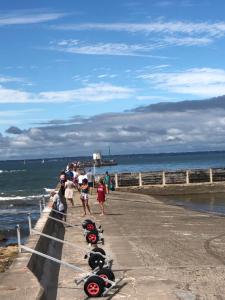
90,178
84,196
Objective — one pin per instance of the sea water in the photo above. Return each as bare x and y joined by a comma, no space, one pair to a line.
24,183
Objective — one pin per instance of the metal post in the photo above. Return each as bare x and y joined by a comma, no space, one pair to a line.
40,206
66,264
63,222
163,178
29,223
116,180
140,179
43,201
187,177
18,237
211,175
94,175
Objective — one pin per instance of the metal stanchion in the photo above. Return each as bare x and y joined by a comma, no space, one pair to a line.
18,237
40,206
29,223
43,201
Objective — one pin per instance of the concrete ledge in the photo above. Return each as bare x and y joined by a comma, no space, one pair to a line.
32,276
176,189
19,282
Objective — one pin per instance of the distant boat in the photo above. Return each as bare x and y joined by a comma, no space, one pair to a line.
43,161
97,161
24,162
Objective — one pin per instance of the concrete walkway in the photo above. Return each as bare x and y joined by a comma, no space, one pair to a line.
161,252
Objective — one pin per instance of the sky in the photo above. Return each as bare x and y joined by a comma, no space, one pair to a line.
79,76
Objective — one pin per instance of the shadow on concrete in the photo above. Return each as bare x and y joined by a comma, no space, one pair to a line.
113,292
114,214
118,288
44,269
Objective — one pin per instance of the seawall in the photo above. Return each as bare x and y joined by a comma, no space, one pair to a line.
175,189
32,276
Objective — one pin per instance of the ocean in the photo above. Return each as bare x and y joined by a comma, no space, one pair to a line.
24,183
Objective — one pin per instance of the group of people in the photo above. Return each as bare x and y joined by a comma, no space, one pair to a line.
75,179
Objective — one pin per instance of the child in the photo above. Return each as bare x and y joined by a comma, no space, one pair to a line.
101,191
84,196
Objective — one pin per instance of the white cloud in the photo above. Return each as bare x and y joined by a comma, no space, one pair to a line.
13,96
16,113
151,98
201,82
188,41
164,3
212,29
121,49
159,67
91,92
102,75
21,17
5,79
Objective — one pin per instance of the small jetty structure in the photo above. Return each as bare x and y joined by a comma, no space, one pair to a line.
98,161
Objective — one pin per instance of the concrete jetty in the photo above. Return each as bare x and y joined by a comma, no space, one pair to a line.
160,252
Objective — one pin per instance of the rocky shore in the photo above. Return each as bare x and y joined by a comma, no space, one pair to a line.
7,254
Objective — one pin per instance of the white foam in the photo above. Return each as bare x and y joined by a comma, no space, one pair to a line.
48,190
29,197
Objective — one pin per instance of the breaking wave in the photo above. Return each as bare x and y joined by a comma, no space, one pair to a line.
13,198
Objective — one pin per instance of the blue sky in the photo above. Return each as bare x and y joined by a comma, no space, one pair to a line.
68,64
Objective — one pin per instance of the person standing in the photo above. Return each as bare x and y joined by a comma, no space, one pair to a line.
58,204
69,190
62,179
84,196
90,179
80,179
101,191
69,172
107,181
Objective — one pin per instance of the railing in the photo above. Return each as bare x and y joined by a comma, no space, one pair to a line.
211,175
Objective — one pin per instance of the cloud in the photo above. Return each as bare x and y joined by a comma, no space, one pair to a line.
122,49
14,130
188,41
99,92
216,29
157,35
23,17
14,96
197,81
181,106
92,92
6,79
151,98
164,3
128,132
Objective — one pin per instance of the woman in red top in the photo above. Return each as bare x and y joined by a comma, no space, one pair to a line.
101,191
